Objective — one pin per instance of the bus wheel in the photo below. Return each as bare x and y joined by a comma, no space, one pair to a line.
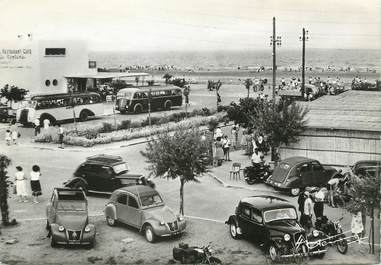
83,115
168,105
138,109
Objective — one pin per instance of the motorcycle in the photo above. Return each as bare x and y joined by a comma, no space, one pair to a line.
192,255
256,174
334,233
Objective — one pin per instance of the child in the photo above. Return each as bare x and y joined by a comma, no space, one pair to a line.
8,137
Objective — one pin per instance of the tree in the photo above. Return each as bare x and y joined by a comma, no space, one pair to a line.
167,77
4,187
282,124
13,93
179,155
366,197
248,83
215,86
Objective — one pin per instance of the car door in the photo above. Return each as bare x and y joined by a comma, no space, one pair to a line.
51,209
88,173
244,220
319,175
121,207
257,227
133,212
305,174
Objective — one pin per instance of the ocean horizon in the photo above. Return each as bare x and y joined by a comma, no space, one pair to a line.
356,59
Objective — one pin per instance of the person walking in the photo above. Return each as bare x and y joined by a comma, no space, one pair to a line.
37,128
35,182
20,180
60,136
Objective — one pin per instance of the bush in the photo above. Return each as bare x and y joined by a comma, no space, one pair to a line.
126,124
212,124
106,127
154,121
135,124
177,116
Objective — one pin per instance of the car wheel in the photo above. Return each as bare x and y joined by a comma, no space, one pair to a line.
214,260
149,234
233,231
273,252
295,192
110,221
53,243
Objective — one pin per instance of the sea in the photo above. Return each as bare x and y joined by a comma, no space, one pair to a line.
359,59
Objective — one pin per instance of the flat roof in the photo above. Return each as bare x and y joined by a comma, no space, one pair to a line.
351,110
105,75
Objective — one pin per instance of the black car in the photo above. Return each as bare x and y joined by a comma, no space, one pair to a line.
104,174
367,168
272,223
294,174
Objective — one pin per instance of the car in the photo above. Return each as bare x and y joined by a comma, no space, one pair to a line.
273,223
366,168
104,174
296,173
143,208
67,218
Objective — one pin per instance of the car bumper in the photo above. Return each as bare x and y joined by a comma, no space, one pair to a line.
62,238
276,185
165,231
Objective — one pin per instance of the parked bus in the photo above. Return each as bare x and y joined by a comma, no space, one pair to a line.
136,99
58,107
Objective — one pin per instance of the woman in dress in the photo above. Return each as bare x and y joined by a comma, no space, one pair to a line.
35,182
20,180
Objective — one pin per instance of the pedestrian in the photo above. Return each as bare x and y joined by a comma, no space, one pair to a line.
60,136
308,212
356,225
218,134
243,142
226,147
301,199
319,204
8,137
35,182
235,129
20,180
14,132
37,128
332,186
46,124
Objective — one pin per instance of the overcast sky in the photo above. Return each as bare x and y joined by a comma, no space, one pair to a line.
150,25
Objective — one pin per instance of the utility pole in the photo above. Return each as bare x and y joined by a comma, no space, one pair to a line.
303,38
275,40
149,107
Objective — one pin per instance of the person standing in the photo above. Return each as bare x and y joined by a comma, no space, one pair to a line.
37,128
319,204
235,136
356,225
8,137
308,211
60,136
301,200
14,132
35,182
20,180
226,148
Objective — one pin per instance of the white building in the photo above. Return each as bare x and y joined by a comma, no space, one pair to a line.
41,66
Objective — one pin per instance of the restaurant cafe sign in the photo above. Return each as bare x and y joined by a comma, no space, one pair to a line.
14,58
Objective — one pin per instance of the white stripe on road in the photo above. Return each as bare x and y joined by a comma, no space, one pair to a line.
204,219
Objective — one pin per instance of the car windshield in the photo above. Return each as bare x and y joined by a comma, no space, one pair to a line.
280,214
120,168
151,200
71,206
124,94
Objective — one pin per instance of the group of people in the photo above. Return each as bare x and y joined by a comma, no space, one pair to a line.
12,133
223,143
310,204
21,179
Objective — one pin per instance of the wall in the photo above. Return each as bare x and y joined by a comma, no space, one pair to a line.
336,147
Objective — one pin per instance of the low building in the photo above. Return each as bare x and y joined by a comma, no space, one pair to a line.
342,129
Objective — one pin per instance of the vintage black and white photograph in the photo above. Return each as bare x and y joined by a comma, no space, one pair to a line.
190,132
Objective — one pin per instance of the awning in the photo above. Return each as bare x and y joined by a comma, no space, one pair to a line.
106,75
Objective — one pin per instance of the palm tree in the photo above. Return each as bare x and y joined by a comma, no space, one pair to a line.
248,83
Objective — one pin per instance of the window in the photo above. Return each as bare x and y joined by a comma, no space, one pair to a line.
132,202
92,64
246,211
55,82
47,82
316,166
55,51
256,216
304,168
122,199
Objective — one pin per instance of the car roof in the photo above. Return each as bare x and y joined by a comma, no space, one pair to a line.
104,159
368,163
70,194
296,160
139,190
266,202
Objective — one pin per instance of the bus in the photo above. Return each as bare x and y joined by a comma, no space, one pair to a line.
58,107
135,100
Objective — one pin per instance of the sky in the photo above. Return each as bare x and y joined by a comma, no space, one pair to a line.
177,25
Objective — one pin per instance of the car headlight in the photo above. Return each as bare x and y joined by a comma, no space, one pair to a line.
180,218
87,228
61,228
286,237
162,223
339,226
315,233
